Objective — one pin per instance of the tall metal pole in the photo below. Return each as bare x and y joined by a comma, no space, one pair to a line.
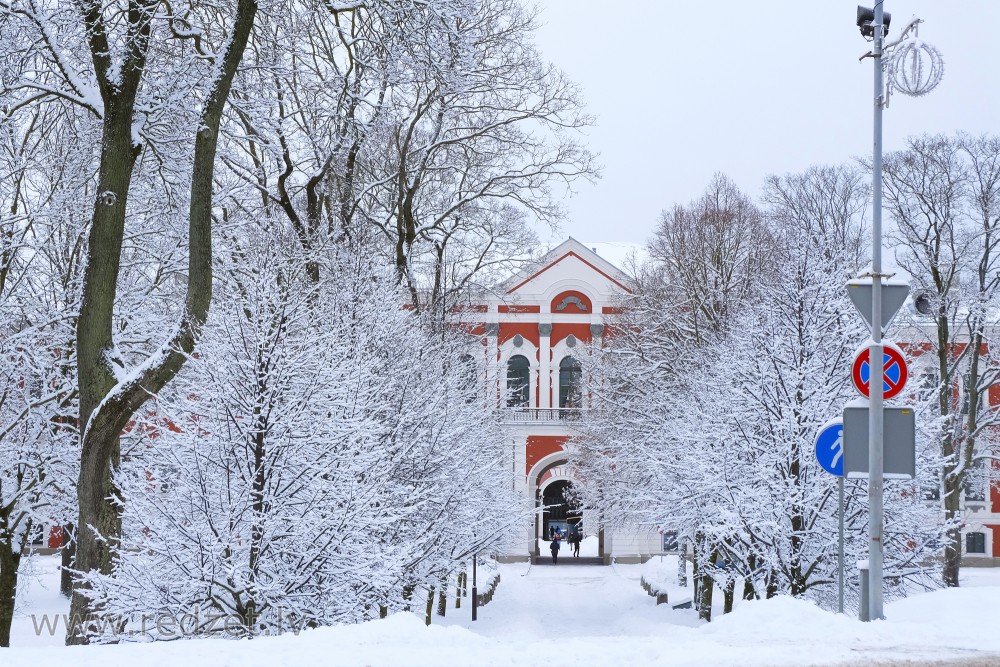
840,544
875,483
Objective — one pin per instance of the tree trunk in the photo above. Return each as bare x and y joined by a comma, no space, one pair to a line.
100,455
703,578
68,556
695,572
749,593
407,596
429,611
443,598
10,560
728,594
705,586
772,584
953,536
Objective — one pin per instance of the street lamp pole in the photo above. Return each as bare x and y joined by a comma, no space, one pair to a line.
915,69
876,519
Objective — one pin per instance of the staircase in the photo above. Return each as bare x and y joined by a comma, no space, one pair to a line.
567,560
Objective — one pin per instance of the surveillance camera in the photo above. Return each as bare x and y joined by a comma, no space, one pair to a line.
865,17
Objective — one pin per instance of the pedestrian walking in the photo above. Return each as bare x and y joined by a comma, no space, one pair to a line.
575,541
554,548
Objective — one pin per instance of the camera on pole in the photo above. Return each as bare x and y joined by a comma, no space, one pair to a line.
866,16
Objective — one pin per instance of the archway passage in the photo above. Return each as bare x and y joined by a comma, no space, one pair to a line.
560,517
560,514
552,487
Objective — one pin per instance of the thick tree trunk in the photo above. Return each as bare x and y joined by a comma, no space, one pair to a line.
10,561
407,596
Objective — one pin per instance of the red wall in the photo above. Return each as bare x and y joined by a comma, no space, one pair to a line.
529,330
540,446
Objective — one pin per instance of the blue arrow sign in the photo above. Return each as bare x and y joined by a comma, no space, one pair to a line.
830,448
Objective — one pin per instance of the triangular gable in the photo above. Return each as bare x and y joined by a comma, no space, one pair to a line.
568,248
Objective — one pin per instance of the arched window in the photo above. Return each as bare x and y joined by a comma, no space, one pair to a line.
467,372
570,380
518,381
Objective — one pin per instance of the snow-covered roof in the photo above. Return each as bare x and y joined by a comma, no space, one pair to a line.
568,248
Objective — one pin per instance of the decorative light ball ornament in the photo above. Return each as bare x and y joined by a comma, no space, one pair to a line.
915,68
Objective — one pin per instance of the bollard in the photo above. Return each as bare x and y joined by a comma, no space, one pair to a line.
475,597
863,614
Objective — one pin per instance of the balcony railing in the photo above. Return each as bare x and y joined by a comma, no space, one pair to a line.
544,414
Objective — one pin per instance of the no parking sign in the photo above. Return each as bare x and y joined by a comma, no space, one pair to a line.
894,371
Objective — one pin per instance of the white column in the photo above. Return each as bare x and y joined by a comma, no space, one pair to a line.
544,365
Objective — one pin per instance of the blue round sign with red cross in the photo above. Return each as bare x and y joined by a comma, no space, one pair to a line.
894,371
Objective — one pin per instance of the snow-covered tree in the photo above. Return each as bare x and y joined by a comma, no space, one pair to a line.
39,288
434,132
320,459
943,195
721,428
156,77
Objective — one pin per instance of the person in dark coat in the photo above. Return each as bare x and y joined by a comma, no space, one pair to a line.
575,541
554,548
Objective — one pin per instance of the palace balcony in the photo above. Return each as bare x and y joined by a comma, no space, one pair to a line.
545,415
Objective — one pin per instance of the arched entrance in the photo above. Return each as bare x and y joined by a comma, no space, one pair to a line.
560,513
556,508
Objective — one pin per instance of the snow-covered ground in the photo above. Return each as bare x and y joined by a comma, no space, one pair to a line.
576,616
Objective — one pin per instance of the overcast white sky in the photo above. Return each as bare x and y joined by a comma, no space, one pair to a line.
684,89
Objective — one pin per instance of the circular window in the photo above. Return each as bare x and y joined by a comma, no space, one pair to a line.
571,341
518,340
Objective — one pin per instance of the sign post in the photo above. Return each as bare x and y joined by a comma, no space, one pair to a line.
830,455
876,520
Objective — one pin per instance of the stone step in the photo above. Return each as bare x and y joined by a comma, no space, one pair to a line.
569,560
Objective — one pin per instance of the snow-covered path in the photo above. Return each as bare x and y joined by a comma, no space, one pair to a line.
581,616
555,603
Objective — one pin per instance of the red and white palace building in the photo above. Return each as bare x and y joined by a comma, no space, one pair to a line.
537,324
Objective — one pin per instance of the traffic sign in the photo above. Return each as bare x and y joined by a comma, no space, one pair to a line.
894,293
830,448
899,458
894,370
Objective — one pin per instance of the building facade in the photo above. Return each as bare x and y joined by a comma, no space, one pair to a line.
538,325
